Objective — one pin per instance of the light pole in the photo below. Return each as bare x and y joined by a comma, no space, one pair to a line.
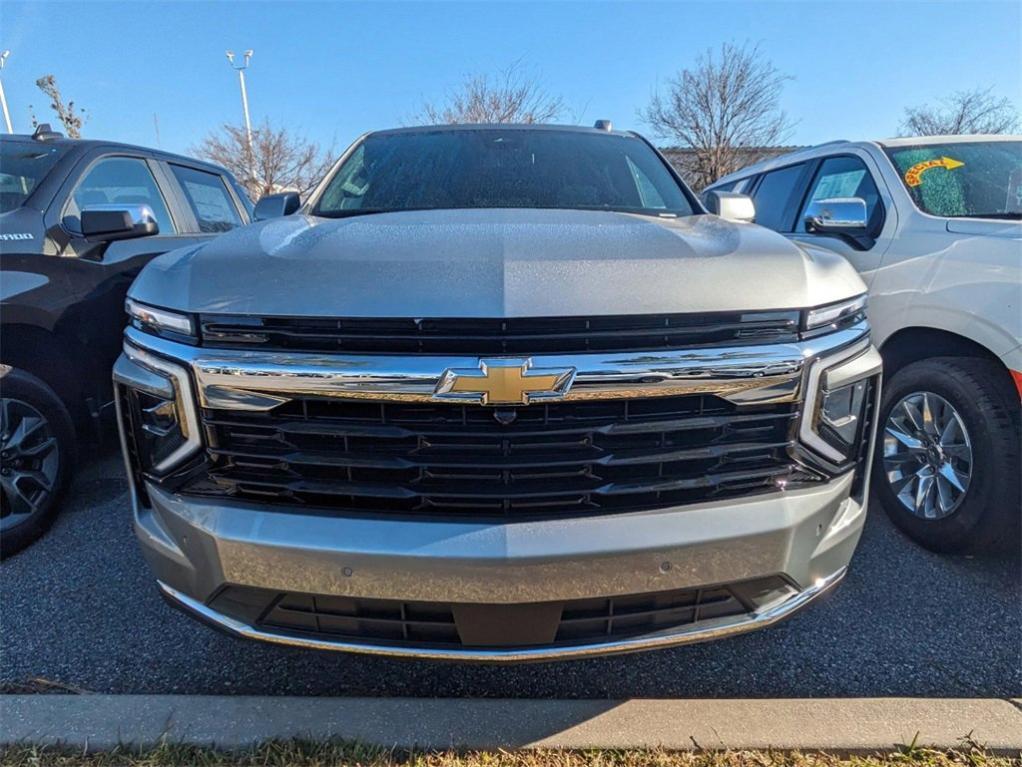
3,96
240,69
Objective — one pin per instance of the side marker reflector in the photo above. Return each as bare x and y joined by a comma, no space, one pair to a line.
1016,376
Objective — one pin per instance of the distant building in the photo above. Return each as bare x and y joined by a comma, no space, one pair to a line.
683,159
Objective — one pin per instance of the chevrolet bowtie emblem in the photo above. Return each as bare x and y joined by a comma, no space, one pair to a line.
503,381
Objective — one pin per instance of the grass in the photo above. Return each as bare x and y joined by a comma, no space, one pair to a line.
304,754
38,686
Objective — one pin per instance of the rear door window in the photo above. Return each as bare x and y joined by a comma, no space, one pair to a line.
775,195
209,199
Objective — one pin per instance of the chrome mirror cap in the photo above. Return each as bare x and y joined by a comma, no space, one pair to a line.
732,206
841,215
116,221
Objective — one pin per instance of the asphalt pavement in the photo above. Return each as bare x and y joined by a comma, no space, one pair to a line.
80,609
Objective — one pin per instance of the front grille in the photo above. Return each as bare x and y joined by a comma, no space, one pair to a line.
541,459
483,336
447,625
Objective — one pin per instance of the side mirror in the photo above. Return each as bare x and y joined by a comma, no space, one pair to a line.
732,206
118,222
277,205
837,215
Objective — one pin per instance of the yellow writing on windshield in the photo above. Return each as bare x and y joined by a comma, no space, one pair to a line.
914,175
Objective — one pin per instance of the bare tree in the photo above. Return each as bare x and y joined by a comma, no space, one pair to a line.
70,117
508,97
723,109
279,160
971,111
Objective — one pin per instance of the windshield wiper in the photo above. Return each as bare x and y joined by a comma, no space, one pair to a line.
652,212
350,212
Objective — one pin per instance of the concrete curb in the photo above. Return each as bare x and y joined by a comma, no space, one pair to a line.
854,725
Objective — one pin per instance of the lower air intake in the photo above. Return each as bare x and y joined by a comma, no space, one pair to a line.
454,625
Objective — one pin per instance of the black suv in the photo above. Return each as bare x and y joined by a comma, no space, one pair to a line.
78,221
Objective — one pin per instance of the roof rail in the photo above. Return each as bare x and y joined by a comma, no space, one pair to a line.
43,132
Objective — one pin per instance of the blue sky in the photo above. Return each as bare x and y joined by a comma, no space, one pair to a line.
333,70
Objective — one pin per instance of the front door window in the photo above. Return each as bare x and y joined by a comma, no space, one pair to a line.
118,180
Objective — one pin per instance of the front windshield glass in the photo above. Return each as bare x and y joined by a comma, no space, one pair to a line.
981,179
502,168
23,164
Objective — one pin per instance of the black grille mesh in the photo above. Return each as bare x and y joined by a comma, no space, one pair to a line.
482,336
541,459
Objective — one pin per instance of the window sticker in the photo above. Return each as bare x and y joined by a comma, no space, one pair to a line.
839,184
914,175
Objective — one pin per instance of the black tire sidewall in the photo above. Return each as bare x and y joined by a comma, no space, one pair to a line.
18,384
968,385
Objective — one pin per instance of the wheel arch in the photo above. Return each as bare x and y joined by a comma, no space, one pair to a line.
912,344
47,356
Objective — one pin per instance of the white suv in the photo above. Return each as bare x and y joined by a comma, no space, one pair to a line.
934,226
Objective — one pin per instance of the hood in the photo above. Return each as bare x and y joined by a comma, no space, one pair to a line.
494,263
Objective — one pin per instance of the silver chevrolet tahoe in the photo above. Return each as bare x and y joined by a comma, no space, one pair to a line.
497,393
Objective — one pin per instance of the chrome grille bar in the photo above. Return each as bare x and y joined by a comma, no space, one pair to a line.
260,381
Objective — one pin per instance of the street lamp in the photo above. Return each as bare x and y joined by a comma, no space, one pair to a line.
240,69
3,96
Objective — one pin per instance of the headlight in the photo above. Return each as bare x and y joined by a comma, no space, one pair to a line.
161,322
157,419
839,388
824,319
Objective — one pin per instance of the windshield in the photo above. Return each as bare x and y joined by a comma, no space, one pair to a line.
23,165
981,179
502,168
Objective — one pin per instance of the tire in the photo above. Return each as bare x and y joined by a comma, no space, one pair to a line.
980,453
37,451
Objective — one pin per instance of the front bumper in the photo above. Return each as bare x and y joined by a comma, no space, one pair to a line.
768,553
702,633
197,549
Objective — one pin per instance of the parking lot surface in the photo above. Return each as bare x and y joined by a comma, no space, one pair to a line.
79,608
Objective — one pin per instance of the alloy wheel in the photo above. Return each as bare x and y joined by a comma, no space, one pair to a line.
927,455
29,462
